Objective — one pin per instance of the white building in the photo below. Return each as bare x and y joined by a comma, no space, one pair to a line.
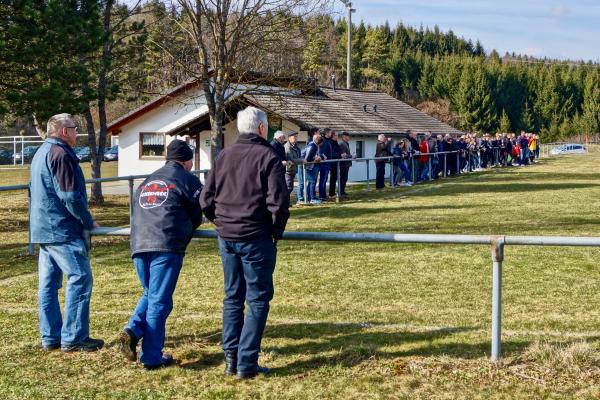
144,133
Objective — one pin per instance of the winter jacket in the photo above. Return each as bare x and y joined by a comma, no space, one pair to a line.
245,194
165,210
59,206
310,152
279,149
381,150
345,149
293,154
424,148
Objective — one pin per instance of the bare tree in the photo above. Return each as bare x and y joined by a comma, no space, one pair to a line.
242,44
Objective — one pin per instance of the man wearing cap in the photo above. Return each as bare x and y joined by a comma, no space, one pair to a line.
165,213
292,155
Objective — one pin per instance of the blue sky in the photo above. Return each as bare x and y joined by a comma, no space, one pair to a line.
556,29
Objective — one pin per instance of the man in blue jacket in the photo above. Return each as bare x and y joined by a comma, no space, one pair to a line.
59,217
165,214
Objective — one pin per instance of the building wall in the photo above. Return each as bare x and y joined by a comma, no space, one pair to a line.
154,121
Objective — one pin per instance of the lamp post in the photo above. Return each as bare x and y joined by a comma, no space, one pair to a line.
348,5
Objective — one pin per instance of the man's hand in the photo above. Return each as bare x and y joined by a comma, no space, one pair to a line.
95,225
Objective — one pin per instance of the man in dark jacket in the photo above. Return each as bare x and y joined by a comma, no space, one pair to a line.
247,199
335,154
381,150
344,165
292,155
59,217
326,153
277,145
165,213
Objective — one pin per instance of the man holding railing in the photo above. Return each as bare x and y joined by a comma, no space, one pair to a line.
58,222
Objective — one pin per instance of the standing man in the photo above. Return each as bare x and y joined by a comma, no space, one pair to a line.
292,155
277,145
344,165
335,155
59,218
381,151
325,153
165,213
247,199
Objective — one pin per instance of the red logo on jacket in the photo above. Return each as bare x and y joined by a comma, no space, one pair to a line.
154,194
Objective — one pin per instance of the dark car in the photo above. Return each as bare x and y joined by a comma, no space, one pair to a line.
111,153
83,153
6,157
27,154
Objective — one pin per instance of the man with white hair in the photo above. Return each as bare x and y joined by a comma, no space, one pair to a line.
58,221
277,145
381,150
247,199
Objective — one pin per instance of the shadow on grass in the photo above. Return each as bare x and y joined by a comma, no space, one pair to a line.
353,344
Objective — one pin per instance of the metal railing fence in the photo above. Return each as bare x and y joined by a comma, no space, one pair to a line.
497,243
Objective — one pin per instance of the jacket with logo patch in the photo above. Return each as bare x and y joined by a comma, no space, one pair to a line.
165,211
59,206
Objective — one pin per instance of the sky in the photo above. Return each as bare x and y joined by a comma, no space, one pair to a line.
540,28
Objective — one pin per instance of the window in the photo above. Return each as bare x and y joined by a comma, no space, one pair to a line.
152,144
360,145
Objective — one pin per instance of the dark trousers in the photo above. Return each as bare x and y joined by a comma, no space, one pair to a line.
248,277
380,175
343,179
333,177
289,181
323,175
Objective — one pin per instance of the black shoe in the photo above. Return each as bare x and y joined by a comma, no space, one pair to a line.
88,344
230,362
50,347
128,344
252,374
167,361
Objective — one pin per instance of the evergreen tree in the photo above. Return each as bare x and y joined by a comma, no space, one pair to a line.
476,109
313,52
591,103
504,123
376,52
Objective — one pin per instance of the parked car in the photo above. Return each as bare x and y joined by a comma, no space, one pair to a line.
569,148
83,153
111,153
28,153
6,157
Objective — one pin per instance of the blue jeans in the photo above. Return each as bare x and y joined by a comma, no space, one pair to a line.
424,170
71,259
523,157
248,277
300,175
158,273
311,178
323,174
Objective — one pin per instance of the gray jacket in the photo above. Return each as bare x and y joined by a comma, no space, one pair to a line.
345,149
292,153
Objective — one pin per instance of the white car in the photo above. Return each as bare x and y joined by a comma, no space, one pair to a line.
569,148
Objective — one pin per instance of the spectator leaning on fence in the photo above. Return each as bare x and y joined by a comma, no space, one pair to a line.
59,219
381,150
344,165
247,199
312,159
277,145
335,155
165,213
325,153
292,155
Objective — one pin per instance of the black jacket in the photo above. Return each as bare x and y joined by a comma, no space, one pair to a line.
279,149
165,210
245,193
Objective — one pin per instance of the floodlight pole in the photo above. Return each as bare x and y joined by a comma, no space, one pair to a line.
348,5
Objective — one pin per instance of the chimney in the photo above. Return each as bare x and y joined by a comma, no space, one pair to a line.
333,82
375,108
364,107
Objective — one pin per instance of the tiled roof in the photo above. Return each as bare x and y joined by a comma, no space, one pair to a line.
344,110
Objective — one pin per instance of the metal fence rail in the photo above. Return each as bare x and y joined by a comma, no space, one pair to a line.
497,243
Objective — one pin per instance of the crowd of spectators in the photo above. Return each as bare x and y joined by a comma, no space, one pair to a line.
413,159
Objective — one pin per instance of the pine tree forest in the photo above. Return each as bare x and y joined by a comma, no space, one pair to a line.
452,78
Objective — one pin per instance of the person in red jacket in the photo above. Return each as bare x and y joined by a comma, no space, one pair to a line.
424,158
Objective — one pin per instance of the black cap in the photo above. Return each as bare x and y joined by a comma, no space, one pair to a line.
178,150
345,133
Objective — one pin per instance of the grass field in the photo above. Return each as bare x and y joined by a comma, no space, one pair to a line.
351,321
10,175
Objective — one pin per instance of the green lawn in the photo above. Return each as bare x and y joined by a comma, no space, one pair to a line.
351,320
10,175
